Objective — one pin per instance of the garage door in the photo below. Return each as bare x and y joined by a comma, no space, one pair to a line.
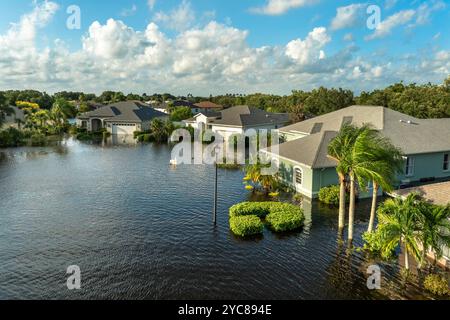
123,129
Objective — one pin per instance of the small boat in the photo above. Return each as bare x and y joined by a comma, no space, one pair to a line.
173,162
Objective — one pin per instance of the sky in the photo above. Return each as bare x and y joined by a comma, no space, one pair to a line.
205,47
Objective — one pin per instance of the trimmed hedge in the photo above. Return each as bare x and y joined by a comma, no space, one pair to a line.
279,216
281,221
246,225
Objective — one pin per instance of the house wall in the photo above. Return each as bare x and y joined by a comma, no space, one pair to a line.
428,165
286,174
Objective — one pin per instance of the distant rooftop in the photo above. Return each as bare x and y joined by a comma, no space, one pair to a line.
126,111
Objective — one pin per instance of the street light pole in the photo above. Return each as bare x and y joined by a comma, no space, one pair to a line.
215,192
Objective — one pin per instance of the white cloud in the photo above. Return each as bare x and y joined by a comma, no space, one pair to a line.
389,4
213,58
425,10
129,11
179,19
348,37
115,40
385,27
309,50
151,4
278,7
348,16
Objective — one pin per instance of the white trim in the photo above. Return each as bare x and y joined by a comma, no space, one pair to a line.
411,166
302,177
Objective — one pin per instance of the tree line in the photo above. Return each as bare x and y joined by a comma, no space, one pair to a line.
422,101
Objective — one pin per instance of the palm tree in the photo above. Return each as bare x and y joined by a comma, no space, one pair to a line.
268,183
339,149
388,160
434,228
398,226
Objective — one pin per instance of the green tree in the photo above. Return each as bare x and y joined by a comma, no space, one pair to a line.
398,227
267,183
180,114
434,224
340,149
323,100
388,162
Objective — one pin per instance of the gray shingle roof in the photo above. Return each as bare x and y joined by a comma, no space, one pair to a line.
245,116
127,111
411,135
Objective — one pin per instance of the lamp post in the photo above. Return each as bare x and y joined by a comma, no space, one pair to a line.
215,190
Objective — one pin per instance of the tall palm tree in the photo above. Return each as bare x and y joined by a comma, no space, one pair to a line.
339,149
398,226
389,161
435,228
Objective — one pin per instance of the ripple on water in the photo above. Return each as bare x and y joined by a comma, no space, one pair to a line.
140,229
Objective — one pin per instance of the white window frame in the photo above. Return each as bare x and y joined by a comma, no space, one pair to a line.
446,162
296,184
410,166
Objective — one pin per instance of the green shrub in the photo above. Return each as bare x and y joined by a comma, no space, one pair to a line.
245,226
436,284
373,243
288,219
279,216
38,140
330,195
11,137
259,209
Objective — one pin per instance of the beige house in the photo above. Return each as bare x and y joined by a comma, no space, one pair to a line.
237,120
122,118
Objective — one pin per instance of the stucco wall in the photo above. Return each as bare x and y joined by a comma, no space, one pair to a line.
426,166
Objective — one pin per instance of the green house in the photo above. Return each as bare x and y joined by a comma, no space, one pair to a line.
304,164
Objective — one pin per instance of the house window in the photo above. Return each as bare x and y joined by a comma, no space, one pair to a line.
298,176
409,169
446,162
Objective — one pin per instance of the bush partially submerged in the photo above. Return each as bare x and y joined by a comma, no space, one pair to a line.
280,217
289,220
330,195
246,225
436,284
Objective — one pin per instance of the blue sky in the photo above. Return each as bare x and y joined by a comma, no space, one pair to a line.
218,46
